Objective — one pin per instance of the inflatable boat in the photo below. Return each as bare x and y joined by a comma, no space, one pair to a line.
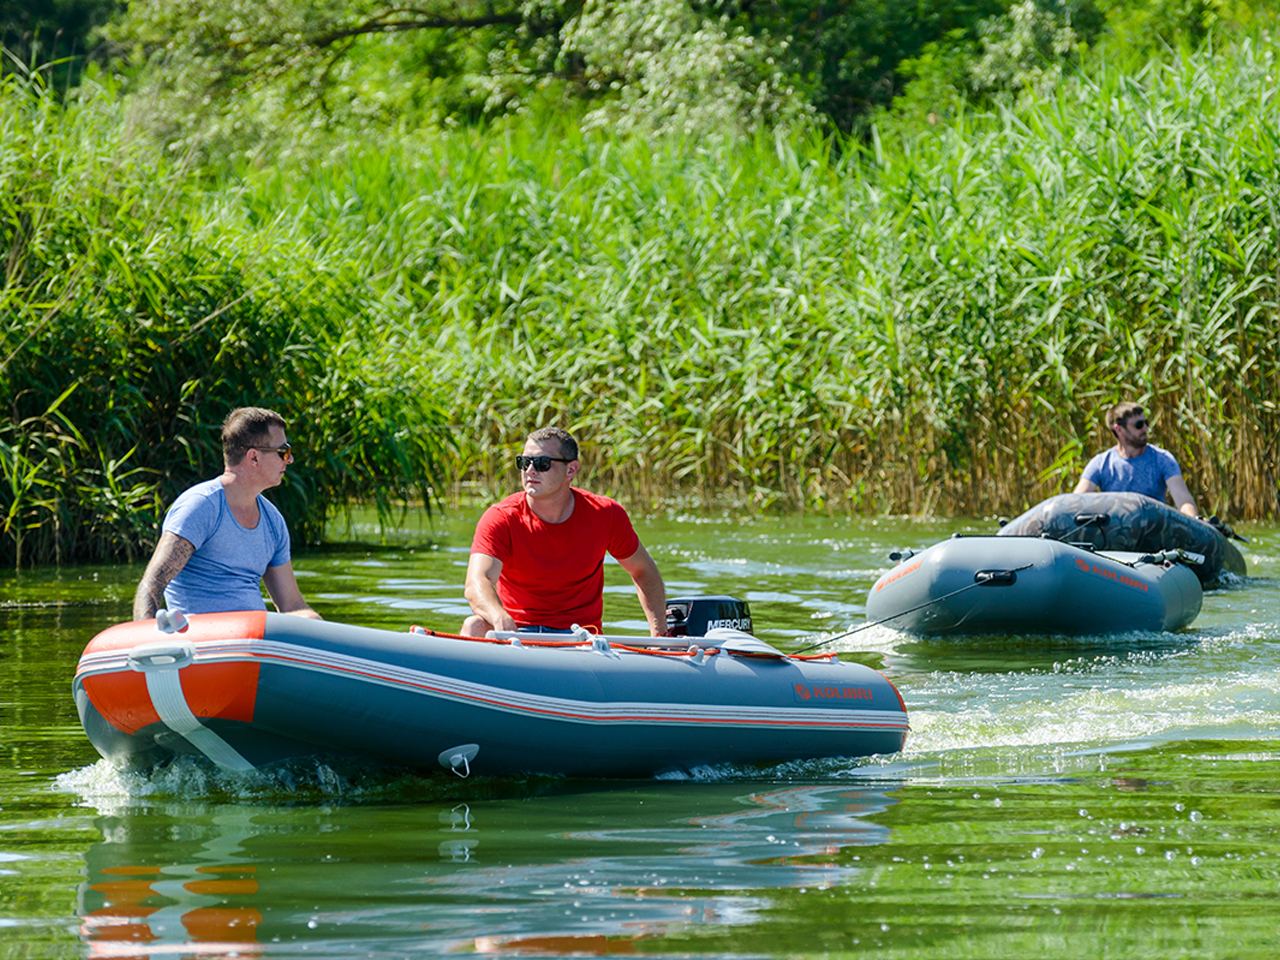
1132,522
1033,585
251,689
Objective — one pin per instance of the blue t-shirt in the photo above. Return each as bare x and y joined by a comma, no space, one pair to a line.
225,572
1148,473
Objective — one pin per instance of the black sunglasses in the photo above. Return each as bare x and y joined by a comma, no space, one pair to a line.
541,464
285,450
1137,424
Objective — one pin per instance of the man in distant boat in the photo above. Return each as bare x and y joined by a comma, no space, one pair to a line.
537,557
222,539
1134,465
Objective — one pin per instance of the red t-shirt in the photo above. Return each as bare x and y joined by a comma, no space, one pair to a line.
553,573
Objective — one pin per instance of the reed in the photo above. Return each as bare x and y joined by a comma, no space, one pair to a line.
931,323
139,306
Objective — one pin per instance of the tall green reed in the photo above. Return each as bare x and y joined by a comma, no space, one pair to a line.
930,323
139,307
924,322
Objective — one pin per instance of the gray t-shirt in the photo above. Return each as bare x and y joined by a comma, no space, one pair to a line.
1148,473
225,572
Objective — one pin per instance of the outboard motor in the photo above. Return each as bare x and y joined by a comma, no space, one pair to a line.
694,616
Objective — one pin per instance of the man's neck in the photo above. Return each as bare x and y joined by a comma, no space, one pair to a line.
238,491
1129,452
558,509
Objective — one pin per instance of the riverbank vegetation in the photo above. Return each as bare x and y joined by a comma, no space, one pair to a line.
928,312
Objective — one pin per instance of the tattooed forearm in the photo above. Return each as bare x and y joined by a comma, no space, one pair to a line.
172,554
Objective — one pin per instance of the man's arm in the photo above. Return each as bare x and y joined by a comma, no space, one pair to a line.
650,589
171,555
1086,486
481,591
285,593
1182,498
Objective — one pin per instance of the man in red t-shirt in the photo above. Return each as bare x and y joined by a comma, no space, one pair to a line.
537,558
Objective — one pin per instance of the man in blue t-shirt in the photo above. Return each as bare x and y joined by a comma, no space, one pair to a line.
222,539
1135,466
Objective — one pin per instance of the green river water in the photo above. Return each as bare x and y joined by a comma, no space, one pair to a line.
1065,798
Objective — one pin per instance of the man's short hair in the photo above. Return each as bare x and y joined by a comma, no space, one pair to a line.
568,445
1122,412
245,428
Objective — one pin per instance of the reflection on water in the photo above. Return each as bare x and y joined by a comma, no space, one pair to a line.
134,904
565,871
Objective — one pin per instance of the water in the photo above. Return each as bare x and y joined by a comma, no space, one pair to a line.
1081,797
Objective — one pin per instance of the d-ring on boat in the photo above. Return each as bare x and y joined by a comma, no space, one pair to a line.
255,688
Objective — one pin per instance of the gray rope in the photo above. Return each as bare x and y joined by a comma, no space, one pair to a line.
919,606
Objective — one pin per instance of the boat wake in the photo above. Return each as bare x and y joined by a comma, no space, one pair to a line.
112,789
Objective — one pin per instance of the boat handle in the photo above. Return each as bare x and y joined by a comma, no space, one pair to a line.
1092,519
996,578
161,656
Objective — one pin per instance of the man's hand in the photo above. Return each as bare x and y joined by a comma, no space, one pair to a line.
1182,496
282,585
481,591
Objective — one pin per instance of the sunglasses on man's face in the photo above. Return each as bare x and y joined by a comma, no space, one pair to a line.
285,451
541,464
1137,424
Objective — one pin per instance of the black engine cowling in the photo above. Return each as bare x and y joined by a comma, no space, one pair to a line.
694,616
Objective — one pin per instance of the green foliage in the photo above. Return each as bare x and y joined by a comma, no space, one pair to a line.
1138,29
50,35
136,310
1026,50
227,74
674,70
846,56
362,65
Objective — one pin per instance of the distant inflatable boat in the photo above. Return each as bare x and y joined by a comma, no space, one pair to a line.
992,585
252,689
1132,522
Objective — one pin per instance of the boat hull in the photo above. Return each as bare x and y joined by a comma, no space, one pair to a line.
1130,522
1033,586
248,690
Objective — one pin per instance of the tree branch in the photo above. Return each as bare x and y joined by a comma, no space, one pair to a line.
384,24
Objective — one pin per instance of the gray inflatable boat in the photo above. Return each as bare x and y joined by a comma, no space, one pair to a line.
252,689
1130,521
991,585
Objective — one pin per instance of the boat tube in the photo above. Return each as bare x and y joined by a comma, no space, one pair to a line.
974,585
255,688
1132,522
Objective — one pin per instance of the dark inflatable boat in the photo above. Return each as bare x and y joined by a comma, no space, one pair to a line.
1132,522
995,585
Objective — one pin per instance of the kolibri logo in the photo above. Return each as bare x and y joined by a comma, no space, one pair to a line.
1098,571
816,691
